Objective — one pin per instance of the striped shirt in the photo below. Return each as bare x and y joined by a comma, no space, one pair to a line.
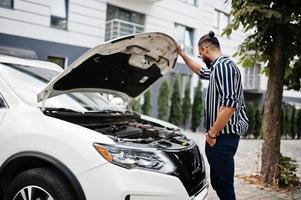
225,89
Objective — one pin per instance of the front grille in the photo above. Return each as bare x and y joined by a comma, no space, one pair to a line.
189,169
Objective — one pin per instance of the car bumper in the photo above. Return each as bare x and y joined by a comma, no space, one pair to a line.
110,182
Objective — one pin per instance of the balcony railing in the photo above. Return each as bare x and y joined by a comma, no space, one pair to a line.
117,28
252,82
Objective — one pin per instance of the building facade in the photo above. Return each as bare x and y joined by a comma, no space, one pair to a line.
61,30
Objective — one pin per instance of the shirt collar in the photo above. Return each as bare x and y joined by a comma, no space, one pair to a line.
216,61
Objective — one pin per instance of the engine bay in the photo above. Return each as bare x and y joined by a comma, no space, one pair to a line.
126,128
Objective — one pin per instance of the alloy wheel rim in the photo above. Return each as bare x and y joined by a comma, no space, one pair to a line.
33,192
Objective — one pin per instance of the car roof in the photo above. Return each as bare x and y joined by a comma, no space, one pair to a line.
30,62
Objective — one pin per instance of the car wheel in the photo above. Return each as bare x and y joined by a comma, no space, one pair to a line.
39,184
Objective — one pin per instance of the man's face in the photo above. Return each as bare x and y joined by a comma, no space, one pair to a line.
204,54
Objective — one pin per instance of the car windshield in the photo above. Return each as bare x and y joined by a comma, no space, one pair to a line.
27,82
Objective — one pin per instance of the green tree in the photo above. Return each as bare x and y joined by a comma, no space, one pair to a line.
293,123
258,120
197,108
176,114
186,105
299,123
147,106
284,120
135,105
274,40
163,99
251,116
288,121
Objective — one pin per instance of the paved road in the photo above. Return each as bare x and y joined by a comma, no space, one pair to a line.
248,161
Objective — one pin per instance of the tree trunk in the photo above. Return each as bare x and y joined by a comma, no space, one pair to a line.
272,115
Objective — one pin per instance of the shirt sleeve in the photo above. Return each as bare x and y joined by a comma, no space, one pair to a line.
226,79
205,73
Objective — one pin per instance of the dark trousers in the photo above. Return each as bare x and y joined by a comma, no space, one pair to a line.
221,161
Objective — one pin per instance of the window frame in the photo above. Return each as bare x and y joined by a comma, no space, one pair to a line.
115,23
187,28
251,74
217,26
61,18
129,12
9,7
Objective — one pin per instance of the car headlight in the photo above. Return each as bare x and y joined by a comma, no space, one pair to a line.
128,157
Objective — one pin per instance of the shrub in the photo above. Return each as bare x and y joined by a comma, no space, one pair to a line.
293,123
147,107
135,105
176,114
186,105
258,122
251,112
288,170
298,123
197,108
163,99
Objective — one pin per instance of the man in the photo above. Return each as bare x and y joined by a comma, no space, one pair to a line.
225,112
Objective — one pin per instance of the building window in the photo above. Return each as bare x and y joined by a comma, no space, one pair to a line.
7,3
222,20
184,36
59,14
252,77
61,61
192,2
121,22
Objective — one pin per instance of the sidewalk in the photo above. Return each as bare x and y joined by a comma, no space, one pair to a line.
251,192
247,161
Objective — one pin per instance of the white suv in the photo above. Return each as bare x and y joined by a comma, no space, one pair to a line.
60,139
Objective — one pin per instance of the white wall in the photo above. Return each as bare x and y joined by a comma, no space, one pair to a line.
31,18
86,23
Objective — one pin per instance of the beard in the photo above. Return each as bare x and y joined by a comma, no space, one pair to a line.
207,62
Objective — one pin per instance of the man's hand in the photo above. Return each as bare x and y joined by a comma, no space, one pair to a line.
180,50
210,140
193,65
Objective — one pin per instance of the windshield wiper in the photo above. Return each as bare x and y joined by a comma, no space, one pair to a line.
107,111
51,109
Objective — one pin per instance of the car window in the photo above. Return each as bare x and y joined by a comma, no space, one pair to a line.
27,82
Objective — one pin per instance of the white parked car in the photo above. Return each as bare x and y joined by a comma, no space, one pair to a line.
61,140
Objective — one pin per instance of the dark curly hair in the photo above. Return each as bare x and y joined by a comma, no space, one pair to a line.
209,37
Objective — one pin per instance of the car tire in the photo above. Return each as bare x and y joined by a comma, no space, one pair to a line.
42,183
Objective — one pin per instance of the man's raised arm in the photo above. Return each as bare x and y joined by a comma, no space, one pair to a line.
193,65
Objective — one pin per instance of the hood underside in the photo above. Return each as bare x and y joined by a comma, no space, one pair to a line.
126,66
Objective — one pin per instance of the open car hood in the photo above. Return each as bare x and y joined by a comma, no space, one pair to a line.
125,66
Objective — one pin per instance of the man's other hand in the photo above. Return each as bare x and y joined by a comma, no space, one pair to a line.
210,141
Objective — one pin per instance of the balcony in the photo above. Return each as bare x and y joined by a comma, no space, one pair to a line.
252,82
117,28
